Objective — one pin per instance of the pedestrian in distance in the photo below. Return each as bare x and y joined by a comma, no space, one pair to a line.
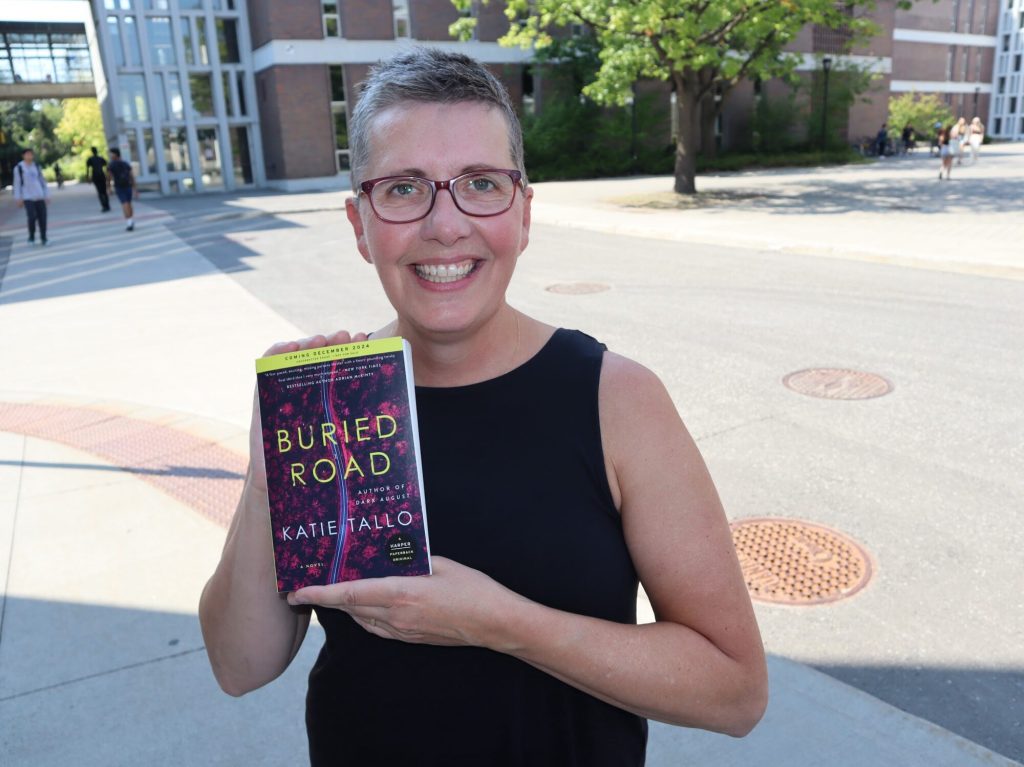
977,134
946,150
882,140
32,193
908,138
95,166
957,137
123,181
58,175
523,642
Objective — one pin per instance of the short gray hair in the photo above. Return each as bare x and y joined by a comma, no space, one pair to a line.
427,76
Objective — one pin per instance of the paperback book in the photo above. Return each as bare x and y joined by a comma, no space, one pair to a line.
344,476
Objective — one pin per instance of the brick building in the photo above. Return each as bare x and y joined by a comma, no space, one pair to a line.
219,94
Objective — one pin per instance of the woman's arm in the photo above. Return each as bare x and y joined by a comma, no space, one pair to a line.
251,632
700,665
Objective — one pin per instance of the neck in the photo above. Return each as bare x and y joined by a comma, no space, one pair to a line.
458,359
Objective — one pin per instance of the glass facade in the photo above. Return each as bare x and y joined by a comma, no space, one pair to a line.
44,53
180,84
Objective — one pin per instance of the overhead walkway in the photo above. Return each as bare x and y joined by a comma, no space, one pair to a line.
44,60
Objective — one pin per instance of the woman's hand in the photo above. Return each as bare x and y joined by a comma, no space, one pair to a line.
456,605
257,469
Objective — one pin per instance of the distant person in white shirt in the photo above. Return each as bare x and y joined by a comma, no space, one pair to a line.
31,192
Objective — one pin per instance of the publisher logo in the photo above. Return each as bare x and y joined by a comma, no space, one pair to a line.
401,549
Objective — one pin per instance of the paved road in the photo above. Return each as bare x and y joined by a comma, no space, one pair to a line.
926,478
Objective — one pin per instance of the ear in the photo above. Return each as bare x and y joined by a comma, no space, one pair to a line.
356,219
527,201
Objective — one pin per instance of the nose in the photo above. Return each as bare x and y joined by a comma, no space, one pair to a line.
445,223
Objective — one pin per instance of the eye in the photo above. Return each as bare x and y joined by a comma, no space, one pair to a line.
402,188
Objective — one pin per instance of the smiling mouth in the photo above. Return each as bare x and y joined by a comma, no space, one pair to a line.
438,273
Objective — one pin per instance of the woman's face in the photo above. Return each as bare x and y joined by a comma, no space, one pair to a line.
439,142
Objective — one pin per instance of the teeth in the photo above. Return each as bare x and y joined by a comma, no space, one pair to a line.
444,272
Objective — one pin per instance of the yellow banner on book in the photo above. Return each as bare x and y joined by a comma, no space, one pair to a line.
329,354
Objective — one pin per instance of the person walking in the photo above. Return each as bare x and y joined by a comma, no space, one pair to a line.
58,175
31,192
908,138
946,150
977,134
95,166
882,140
123,181
957,137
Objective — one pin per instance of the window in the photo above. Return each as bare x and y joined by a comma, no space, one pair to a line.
225,81
999,126
158,5
1002,85
1013,104
115,40
332,19
339,112
227,41
134,106
209,158
149,151
204,55
400,11
175,149
240,82
1006,42
186,40
160,105
1016,63
190,5
175,103
201,85
161,45
240,160
131,35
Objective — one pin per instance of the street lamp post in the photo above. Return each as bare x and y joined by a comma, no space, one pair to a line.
826,66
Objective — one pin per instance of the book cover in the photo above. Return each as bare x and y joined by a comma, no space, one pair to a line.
342,455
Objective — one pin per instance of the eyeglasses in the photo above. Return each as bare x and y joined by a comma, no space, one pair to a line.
404,199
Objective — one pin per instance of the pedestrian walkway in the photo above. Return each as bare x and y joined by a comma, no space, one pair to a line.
124,408
894,211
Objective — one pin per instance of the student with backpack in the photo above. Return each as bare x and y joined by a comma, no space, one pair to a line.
123,181
31,192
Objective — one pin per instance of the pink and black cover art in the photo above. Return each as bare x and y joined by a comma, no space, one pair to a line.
340,448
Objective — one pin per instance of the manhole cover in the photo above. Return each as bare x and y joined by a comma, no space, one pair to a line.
577,288
837,383
798,563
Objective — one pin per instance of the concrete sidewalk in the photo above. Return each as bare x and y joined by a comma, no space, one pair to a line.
123,413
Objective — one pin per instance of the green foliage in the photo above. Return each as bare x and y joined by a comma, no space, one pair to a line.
791,159
697,44
921,111
80,128
846,85
576,138
774,123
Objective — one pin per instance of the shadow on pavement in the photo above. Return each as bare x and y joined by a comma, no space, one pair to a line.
97,256
95,685
959,699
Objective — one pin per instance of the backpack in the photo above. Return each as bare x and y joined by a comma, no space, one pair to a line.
121,172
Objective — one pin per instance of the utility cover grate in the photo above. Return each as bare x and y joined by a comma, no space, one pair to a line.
791,562
837,383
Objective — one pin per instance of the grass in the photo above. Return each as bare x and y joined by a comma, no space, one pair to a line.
752,160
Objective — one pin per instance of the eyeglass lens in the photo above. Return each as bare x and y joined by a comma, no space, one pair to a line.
408,198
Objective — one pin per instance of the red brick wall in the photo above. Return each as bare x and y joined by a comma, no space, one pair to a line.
285,20
491,21
295,120
430,19
367,19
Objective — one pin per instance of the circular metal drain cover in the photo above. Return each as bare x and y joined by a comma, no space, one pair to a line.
577,288
791,562
836,383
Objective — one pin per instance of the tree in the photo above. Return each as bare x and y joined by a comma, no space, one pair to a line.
701,46
923,112
80,128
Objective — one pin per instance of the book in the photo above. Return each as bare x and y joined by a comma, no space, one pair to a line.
344,477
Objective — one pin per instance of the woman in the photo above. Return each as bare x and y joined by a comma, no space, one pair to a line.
977,134
946,150
556,474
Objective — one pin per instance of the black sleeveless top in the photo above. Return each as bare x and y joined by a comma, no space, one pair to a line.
515,486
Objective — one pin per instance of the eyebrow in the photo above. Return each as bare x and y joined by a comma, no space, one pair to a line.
423,174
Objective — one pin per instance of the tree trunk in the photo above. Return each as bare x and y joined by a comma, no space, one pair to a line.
688,112
708,115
